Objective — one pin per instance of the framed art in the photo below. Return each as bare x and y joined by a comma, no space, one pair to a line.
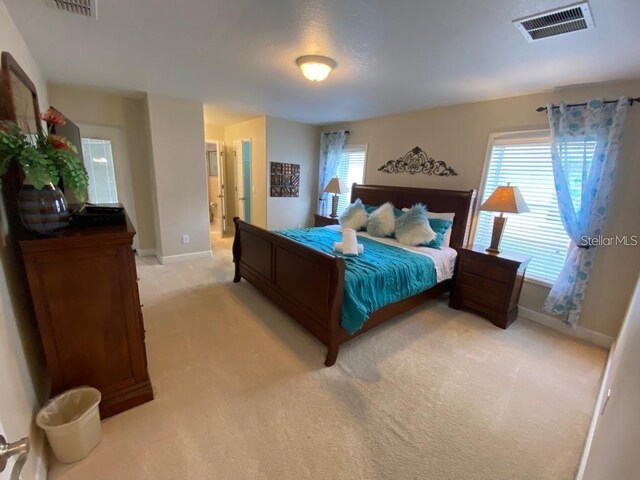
285,179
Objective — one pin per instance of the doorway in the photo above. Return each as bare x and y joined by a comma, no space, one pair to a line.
242,175
216,187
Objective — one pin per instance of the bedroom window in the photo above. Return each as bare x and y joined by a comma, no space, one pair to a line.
98,160
351,170
524,160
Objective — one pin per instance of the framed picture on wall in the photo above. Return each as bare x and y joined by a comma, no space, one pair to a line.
285,179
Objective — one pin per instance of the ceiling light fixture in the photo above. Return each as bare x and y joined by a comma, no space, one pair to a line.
315,67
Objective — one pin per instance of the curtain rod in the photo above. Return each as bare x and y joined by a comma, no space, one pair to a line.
348,132
631,102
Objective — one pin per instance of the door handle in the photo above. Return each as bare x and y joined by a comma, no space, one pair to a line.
242,198
8,450
220,196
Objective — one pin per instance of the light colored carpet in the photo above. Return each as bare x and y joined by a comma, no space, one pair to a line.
241,393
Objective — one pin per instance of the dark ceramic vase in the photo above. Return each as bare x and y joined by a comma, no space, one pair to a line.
43,211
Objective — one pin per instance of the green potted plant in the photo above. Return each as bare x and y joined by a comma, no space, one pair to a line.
44,159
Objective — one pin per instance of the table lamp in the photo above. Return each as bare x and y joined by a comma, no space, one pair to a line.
504,200
337,187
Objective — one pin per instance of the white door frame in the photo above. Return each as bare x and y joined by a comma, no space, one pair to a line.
221,199
238,169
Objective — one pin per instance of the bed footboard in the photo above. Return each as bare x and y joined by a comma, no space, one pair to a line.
306,283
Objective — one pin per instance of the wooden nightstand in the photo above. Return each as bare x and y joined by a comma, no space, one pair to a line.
322,221
489,283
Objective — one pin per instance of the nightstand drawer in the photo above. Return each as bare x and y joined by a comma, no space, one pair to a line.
481,297
482,268
491,287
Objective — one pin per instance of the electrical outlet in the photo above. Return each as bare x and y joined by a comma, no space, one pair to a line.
185,239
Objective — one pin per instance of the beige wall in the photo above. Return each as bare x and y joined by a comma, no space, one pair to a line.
290,142
256,131
179,185
459,135
613,449
94,109
213,132
23,378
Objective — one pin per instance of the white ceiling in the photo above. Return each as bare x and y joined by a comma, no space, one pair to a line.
393,55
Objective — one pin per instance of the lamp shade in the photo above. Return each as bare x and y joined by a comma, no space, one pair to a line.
505,199
336,185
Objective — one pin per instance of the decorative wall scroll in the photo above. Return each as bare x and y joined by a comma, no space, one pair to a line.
285,179
417,161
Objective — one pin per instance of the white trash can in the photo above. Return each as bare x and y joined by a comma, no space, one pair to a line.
71,421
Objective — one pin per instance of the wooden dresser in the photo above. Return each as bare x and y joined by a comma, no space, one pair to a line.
85,295
489,283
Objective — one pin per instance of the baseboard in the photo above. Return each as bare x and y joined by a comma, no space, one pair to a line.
184,256
579,332
146,252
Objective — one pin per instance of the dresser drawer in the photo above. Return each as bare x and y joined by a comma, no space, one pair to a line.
482,269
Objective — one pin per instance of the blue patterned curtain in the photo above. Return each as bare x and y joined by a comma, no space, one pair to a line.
331,146
585,142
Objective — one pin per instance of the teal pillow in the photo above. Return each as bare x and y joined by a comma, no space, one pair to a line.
440,227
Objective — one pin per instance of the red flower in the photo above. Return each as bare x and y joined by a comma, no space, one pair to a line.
58,142
53,117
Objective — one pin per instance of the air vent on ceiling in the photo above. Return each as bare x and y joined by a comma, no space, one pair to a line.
86,8
568,19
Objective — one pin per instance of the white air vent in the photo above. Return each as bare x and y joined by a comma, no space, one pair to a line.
86,8
572,18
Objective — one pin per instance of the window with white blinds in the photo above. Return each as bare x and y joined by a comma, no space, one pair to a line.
525,162
350,170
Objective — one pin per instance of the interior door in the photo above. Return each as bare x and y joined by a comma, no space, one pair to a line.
222,201
239,172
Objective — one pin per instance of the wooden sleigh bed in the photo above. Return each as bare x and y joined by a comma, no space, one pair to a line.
309,284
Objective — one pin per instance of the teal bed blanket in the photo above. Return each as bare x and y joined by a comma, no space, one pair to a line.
382,275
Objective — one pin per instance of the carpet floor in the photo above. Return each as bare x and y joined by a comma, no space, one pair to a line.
242,393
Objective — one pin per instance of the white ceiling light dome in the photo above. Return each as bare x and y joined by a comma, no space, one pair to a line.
315,67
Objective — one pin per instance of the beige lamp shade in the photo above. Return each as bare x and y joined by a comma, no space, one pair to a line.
505,199
336,185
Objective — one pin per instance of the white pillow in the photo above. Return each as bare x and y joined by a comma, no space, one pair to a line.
382,221
354,216
443,216
412,227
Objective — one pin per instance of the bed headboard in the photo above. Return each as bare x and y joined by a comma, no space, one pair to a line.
460,202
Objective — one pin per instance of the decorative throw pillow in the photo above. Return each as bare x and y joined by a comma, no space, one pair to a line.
413,228
354,216
440,227
443,216
382,222
372,208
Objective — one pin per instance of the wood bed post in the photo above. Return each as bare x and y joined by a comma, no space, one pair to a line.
236,250
335,307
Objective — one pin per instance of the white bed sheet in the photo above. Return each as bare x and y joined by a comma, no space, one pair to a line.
444,259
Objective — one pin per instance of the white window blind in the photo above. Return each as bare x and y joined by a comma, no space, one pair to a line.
525,162
350,170
98,160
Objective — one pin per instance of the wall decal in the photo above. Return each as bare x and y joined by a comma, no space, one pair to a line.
285,179
417,161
